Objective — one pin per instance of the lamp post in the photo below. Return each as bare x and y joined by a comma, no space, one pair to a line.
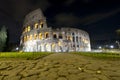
118,44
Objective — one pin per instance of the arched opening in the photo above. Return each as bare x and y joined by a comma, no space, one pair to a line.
23,30
31,37
25,38
80,39
54,36
36,25
53,47
73,33
41,24
28,28
69,38
35,36
60,36
73,39
46,35
28,37
76,38
40,35
59,43
48,47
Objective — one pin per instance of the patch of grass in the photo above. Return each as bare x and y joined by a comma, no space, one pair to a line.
99,54
26,55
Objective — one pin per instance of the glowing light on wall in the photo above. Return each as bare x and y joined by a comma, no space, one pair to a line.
48,47
40,35
36,25
24,38
41,24
31,37
53,45
59,43
35,36
28,28
69,38
28,37
46,35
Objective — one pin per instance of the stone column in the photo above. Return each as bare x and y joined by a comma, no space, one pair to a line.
75,42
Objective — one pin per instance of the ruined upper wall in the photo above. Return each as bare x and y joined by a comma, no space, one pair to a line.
34,17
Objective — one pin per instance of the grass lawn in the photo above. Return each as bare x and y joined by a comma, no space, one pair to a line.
36,55
103,55
25,55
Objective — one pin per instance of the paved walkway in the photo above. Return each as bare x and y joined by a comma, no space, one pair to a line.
60,67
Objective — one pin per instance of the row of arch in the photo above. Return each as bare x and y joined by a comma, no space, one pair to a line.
35,36
54,36
44,36
46,47
36,26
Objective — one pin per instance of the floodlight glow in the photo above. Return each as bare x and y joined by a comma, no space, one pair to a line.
99,47
17,48
111,46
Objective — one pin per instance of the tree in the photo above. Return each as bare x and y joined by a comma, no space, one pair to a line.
3,38
118,32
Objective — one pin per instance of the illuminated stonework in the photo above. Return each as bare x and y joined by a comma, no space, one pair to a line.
37,37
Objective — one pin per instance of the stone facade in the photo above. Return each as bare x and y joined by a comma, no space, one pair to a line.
37,37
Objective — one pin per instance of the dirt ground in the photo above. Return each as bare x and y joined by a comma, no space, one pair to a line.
61,66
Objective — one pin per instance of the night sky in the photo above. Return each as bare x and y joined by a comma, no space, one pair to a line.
100,18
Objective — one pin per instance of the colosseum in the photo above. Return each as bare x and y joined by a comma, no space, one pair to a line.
38,37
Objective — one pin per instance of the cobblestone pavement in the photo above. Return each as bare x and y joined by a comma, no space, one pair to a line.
60,67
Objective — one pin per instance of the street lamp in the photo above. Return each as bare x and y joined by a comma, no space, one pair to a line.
118,44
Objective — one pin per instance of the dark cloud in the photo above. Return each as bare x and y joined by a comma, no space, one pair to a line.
27,6
66,19
97,17
19,8
69,2
71,19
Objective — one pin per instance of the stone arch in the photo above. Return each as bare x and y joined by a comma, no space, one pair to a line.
60,36
41,24
42,47
28,29
31,37
54,35
46,34
73,33
35,36
25,38
40,35
53,47
48,47
28,37
36,25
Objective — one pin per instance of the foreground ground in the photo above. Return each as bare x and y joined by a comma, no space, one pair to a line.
61,66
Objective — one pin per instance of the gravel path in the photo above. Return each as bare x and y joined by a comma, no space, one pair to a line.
60,66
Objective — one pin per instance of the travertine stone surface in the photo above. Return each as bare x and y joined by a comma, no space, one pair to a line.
60,67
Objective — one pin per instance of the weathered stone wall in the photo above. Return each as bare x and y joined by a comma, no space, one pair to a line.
37,36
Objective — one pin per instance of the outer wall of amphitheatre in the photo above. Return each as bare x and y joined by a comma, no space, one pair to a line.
37,37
